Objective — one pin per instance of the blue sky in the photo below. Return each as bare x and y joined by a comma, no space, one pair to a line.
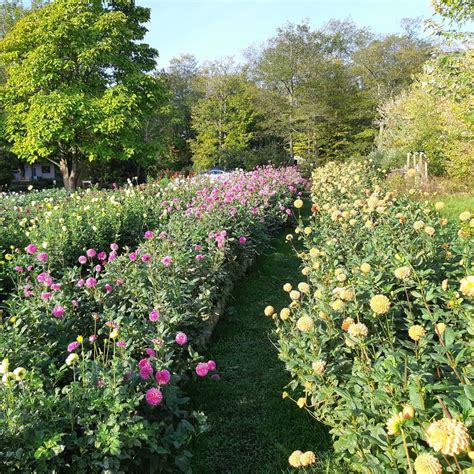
212,29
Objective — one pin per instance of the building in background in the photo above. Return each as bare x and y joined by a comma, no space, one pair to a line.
34,172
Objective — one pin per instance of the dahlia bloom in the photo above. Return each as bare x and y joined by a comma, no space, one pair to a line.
91,253
379,304
42,257
305,324
467,286
448,436
166,261
202,369
162,377
73,346
181,338
31,249
154,315
58,311
426,463
416,332
154,396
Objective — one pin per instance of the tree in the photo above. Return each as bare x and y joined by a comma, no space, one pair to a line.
435,116
222,118
77,86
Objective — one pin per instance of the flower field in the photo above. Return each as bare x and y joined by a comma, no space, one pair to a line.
376,335
110,295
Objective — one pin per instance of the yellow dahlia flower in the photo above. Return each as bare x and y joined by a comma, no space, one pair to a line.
346,323
295,295
287,287
439,206
444,285
341,277
308,230
284,314
430,230
379,304
337,305
441,327
394,423
307,459
418,225
448,436
416,332
464,216
319,366
20,373
318,294
303,287
365,268
306,271
427,464
402,273
346,294
269,310
294,459
305,324
467,286
301,402
358,330
298,204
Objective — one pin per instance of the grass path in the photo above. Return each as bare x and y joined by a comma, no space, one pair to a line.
253,430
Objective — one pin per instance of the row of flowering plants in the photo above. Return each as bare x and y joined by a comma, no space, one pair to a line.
96,355
377,333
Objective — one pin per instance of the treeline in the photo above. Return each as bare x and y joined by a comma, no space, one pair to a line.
310,93
101,108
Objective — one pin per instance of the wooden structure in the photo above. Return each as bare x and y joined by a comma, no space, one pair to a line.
418,162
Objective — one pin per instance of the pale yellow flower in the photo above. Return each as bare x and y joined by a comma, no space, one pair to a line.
307,459
269,311
305,324
20,373
284,314
464,216
294,459
365,268
408,412
439,205
441,327
287,287
426,463
379,304
402,273
448,436
337,305
416,332
394,423
298,204
301,402
319,366
467,286
358,330
303,287
430,230
418,225
295,295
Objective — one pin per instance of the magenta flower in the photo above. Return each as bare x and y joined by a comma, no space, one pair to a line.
146,371
154,315
166,261
92,338
56,286
58,311
146,257
199,257
211,364
202,369
91,282
82,259
102,256
215,377
72,346
42,277
121,344
132,256
112,256
154,396
80,283
29,268
91,253
98,268
112,324
181,338
143,363
114,247
148,234
74,303
31,249
46,295
162,377
242,240
19,269
198,247
150,352
108,288
42,257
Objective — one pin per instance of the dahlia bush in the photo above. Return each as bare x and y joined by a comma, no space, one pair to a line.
96,355
377,334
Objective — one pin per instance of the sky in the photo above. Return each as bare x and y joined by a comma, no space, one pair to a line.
214,29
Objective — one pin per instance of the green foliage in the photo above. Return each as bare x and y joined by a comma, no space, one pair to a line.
382,319
435,116
77,87
222,117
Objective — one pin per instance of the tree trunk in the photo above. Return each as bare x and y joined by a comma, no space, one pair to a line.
68,165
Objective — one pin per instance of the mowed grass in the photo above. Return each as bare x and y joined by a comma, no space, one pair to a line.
252,428
457,203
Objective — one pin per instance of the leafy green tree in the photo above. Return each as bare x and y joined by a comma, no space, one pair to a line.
77,86
435,116
223,117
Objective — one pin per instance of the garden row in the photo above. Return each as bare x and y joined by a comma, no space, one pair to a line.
96,355
376,335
